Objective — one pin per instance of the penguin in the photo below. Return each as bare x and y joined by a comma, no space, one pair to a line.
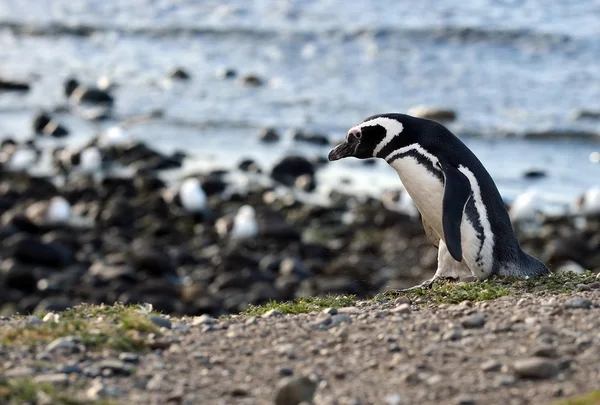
461,208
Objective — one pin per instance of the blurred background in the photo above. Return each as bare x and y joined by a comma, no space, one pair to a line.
184,88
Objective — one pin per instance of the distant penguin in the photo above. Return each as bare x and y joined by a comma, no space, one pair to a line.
241,227
461,208
78,93
192,196
55,211
588,204
527,207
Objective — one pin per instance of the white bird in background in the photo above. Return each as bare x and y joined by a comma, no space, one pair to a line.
59,210
589,202
192,196
114,136
90,160
526,206
245,225
22,159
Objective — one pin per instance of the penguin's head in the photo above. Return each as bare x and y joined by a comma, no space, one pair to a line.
367,139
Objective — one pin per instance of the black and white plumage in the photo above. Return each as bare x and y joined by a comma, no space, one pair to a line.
461,208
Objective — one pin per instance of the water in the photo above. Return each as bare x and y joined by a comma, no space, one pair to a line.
506,66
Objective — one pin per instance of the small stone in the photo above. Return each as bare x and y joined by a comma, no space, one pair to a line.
58,379
116,366
491,366
295,390
394,348
33,321
127,357
204,319
393,399
179,74
452,335
578,302
473,321
160,321
180,327
239,392
339,319
155,383
70,369
272,313
545,351
251,80
403,308
432,113
226,73
402,300
51,317
465,400
20,372
99,390
595,285
64,343
286,371
330,311
535,368
268,135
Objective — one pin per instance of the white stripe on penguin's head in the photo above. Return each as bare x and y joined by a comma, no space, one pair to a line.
392,128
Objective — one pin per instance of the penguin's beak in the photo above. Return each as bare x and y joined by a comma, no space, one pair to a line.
343,150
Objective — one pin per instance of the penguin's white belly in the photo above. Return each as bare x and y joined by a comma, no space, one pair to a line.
427,192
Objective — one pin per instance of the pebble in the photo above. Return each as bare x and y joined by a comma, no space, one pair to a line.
204,319
545,351
285,372
33,321
465,400
403,308
60,378
491,366
116,366
452,335
179,74
339,319
99,390
535,368
160,321
330,311
393,399
473,321
578,302
63,343
127,357
272,313
180,327
51,317
295,390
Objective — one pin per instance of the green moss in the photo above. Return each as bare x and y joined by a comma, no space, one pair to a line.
303,305
26,391
116,327
452,292
592,398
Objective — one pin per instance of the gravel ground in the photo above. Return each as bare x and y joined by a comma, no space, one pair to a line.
532,348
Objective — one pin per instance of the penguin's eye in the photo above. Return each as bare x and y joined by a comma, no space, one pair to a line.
358,135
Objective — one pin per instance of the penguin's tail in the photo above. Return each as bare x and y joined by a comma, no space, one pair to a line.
532,267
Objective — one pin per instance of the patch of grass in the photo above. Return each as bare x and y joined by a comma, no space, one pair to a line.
116,327
592,398
303,305
453,293
27,391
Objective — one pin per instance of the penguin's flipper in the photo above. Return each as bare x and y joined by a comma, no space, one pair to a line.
457,192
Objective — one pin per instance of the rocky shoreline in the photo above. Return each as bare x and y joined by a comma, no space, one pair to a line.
123,233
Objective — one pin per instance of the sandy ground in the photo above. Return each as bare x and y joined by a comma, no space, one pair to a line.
527,349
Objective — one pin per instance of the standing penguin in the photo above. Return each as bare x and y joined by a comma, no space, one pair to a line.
462,211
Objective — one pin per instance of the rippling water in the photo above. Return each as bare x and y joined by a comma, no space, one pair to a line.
506,66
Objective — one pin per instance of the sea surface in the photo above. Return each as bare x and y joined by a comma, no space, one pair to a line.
508,67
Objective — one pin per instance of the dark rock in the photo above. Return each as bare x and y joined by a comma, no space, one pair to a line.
535,368
268,135
251,80
115,366
53,304
30,250
578,302
290,168
79,93
226,73
179,74
314,138
534,174
19,276
473,321
10,85
249,165
152,260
